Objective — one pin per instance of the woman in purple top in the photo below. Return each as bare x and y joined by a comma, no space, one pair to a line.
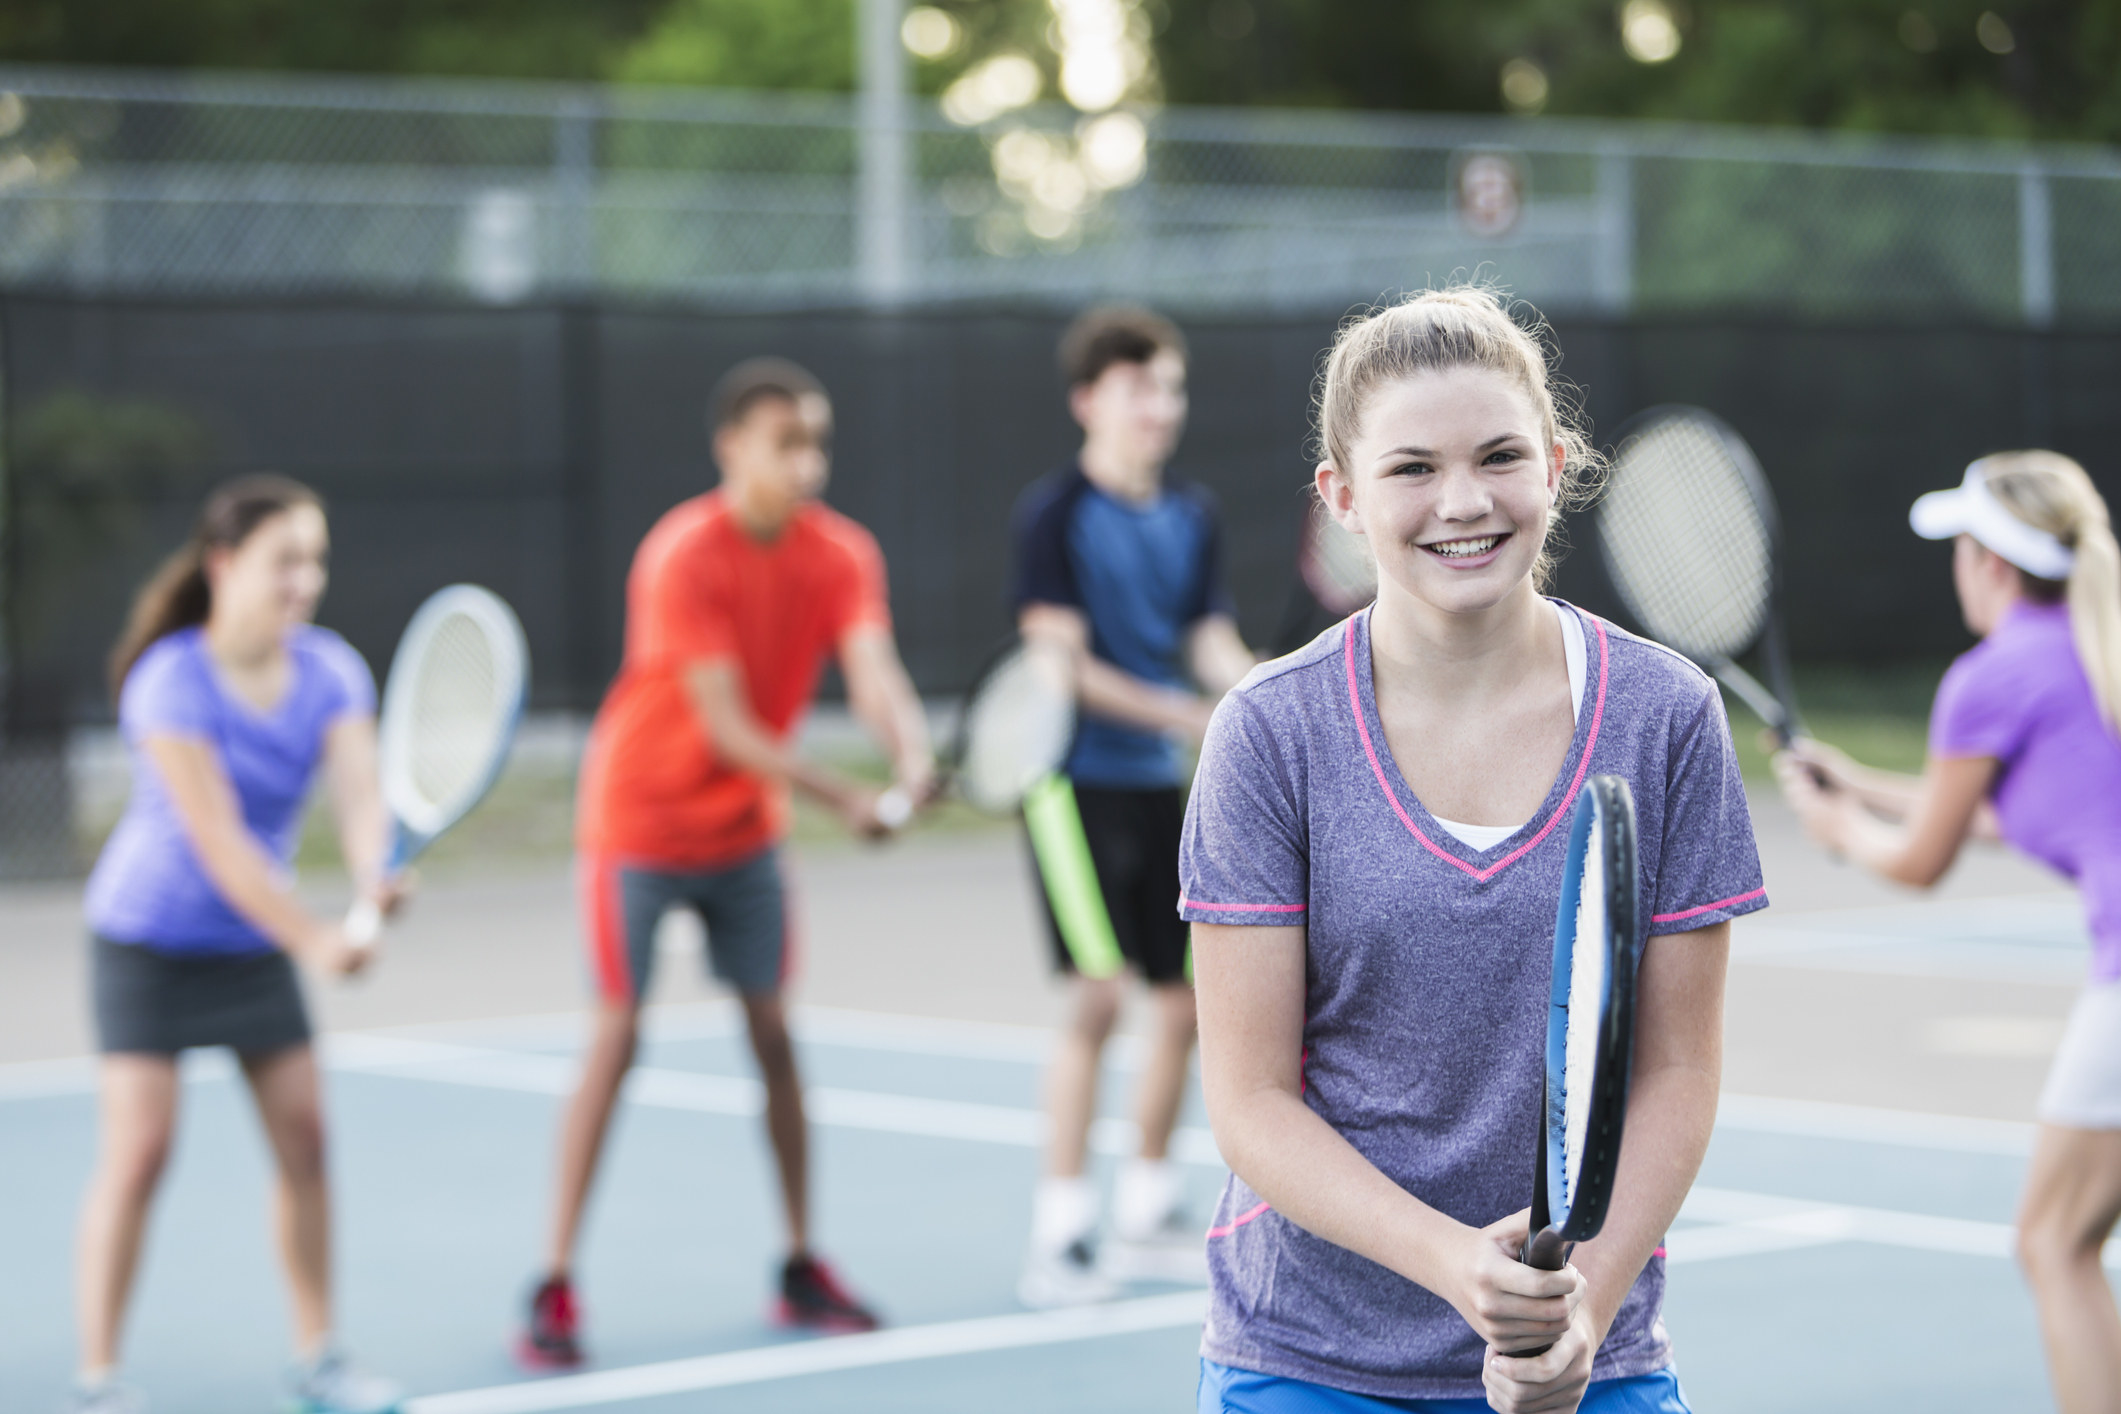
1372,865
229,699
2023,742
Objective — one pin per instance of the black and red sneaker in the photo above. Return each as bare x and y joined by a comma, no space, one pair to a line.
552,1338
812,1297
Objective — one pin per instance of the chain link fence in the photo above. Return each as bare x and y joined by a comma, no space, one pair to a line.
514,192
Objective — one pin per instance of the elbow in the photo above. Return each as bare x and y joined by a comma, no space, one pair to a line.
1917,872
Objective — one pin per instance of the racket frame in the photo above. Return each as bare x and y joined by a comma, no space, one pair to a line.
1561,1218
951,764
1774,702
407,840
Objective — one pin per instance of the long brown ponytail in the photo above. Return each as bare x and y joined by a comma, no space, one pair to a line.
178,595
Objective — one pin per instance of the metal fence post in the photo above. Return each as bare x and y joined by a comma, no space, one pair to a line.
1613,281
882,179
2036,247
574,172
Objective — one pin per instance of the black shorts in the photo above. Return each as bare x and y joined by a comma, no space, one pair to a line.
1107,863
162,1003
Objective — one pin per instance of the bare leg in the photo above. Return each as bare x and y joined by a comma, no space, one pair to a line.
285,1087
1162,1088
1071,1081
611,1046
767,1019
2072,1200
139,1116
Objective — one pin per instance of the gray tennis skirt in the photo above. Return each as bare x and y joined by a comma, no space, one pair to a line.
162,1003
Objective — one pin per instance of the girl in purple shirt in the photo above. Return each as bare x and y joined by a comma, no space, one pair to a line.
1371,865
2023,743
229,699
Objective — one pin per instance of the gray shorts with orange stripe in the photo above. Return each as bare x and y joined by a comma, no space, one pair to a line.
744,908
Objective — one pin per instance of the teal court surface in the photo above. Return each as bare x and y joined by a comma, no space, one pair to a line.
1846,1248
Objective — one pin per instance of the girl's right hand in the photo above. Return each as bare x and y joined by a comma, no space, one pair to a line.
1509,1305
330,951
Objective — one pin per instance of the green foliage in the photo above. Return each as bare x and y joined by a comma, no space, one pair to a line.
84,466
785,44
1884,65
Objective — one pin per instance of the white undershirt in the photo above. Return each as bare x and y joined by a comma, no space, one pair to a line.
1576,652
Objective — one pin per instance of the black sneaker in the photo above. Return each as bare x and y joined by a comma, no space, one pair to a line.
552,1338
812,1297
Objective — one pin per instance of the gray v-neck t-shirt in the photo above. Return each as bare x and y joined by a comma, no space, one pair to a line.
1426,979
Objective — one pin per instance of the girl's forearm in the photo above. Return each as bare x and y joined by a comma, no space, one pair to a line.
1671,1113
1316,1179
244,875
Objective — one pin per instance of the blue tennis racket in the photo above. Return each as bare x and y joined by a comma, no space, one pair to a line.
1590,1027
457,686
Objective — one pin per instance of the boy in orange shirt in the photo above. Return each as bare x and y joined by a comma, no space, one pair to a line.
735,600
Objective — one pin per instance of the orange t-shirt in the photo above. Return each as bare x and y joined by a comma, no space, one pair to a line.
701,589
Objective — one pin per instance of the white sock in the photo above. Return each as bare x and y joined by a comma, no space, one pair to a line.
1063,1211
97,1378
1144,1195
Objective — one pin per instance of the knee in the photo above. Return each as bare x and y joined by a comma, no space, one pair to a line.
1096,1010
771,1044
133,1164
2047,1246
301,1147
1176,1013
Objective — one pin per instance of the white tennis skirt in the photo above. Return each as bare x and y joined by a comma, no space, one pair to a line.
2083,1089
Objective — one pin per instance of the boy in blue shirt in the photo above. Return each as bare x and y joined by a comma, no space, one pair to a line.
1120,566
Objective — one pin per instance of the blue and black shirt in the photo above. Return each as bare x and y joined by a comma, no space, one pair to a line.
1143,575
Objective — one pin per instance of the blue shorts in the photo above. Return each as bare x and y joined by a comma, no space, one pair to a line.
744,907
1227,1391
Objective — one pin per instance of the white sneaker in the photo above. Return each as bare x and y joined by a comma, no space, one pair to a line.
1174,1251
107,1396
1068,1277
332,1384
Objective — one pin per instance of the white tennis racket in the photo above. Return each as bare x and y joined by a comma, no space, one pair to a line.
456,691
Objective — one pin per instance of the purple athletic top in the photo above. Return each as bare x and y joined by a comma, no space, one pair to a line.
2020,695
148,886
1426,979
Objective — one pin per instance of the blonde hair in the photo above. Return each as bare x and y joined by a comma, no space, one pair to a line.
1464,325
2050,492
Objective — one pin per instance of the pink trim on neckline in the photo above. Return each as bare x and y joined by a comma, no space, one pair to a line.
1237,1222
1709,907
1370,748
1244,907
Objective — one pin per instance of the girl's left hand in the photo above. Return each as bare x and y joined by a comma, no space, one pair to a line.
1550,1383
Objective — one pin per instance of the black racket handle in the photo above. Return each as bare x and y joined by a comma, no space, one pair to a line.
1545,1250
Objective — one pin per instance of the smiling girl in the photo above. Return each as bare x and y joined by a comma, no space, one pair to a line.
1371,866
229,699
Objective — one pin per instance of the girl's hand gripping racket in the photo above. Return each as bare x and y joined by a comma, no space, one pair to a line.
1590,1028
1014,729
456,692
1688,533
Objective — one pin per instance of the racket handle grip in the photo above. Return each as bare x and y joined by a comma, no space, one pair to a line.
1546,1251
364,923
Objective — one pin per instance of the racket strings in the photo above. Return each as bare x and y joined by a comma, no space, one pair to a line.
458,716
1587,996
1336,566
1017,727
1686,541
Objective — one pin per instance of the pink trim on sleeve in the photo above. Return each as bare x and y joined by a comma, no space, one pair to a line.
1377,766
1237,1222
1243,907
1760,892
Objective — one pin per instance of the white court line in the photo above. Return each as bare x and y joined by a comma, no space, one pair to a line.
816,1357
1742,1224
371,1052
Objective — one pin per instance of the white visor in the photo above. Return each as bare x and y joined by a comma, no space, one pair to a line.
1970,508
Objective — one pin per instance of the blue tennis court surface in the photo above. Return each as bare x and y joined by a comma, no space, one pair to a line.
1831,1258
